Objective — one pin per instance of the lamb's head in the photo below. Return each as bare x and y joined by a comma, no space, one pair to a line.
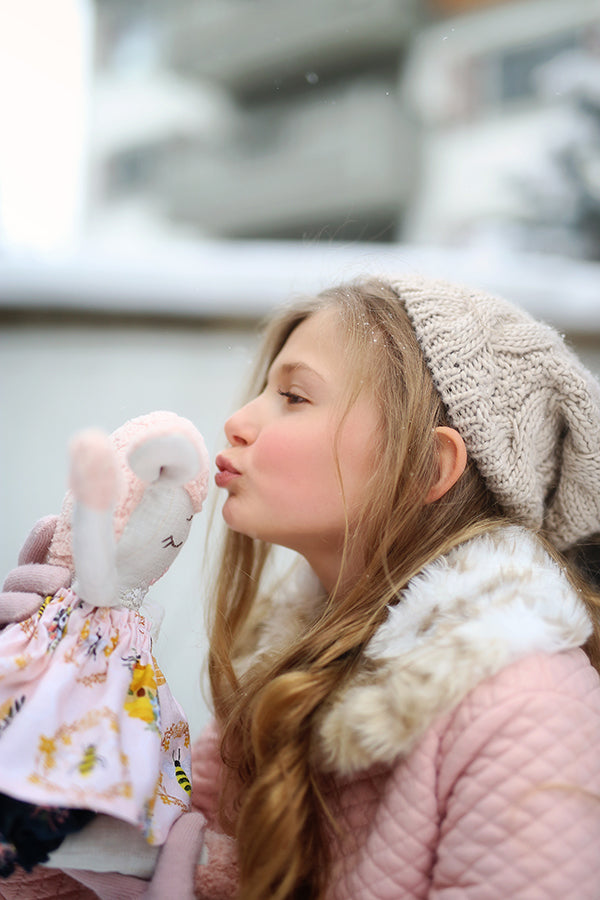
133,496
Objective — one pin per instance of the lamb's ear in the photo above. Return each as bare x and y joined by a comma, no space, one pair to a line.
170,458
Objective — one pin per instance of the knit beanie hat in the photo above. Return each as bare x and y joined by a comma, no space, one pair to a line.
525,406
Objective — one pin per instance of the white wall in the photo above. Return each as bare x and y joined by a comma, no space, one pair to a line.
57,379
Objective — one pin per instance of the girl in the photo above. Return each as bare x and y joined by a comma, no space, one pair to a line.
416,713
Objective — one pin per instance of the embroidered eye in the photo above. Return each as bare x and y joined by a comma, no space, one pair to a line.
169,542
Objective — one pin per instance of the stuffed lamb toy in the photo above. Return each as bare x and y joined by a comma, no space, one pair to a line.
87,722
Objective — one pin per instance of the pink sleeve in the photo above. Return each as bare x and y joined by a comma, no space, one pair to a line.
217,876
206,771
520,793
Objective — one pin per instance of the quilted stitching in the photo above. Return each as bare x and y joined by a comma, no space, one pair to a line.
367,872
502,799
523,816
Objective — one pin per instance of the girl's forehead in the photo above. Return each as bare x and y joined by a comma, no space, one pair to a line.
318,341
321,348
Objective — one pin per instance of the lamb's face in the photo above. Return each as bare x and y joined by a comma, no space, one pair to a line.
153,536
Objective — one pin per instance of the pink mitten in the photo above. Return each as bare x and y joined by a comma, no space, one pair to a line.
26,586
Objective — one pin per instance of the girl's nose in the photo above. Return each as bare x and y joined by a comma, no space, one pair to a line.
242,426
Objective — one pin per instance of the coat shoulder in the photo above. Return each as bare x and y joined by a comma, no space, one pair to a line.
568,675
542,707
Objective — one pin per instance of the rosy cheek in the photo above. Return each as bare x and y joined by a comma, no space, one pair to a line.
294,456
276,452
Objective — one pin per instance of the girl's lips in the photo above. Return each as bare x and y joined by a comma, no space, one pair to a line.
227,472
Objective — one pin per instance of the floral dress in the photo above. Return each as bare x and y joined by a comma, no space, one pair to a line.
87,724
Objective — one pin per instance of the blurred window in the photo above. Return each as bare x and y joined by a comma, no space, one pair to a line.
517,66
131,170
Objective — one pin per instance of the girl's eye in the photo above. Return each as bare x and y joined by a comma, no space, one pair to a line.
291,398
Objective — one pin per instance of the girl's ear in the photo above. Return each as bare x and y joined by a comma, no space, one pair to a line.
452,459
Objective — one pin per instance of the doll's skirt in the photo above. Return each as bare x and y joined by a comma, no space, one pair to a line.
87,720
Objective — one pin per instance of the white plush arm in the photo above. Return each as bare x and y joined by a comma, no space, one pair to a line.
94,555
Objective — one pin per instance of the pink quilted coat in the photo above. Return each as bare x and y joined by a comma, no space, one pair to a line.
469,764
470,767
500,799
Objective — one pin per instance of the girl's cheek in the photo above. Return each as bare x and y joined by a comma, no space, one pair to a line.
275,451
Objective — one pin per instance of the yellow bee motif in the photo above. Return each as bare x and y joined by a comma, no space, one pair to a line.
45,603
182,780
89,760
9,710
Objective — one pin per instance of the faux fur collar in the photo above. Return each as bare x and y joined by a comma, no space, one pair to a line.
489,602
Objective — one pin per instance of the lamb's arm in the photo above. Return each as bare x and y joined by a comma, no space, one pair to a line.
94,556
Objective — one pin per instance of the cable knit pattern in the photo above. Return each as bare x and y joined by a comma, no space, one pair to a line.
528,410
489,786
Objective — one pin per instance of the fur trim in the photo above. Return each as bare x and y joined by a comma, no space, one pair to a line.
467,615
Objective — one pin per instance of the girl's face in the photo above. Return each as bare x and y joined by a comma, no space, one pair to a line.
281,470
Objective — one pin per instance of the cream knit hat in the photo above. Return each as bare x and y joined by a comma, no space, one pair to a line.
527,409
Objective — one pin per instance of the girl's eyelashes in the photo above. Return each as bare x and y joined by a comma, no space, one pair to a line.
291,398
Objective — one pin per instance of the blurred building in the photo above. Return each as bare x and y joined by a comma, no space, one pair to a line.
347,119
289,121
507,100
343,119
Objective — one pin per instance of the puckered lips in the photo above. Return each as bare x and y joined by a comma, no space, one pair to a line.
227,471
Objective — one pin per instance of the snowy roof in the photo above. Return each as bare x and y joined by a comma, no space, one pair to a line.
248,278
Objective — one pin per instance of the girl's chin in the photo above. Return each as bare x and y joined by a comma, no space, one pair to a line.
234,524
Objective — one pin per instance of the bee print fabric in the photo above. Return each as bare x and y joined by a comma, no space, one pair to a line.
87,720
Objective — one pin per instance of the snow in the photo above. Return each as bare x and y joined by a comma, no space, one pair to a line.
188,277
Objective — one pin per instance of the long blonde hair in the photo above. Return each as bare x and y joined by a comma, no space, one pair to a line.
272,797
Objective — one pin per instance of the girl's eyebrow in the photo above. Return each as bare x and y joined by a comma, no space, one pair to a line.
290,368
